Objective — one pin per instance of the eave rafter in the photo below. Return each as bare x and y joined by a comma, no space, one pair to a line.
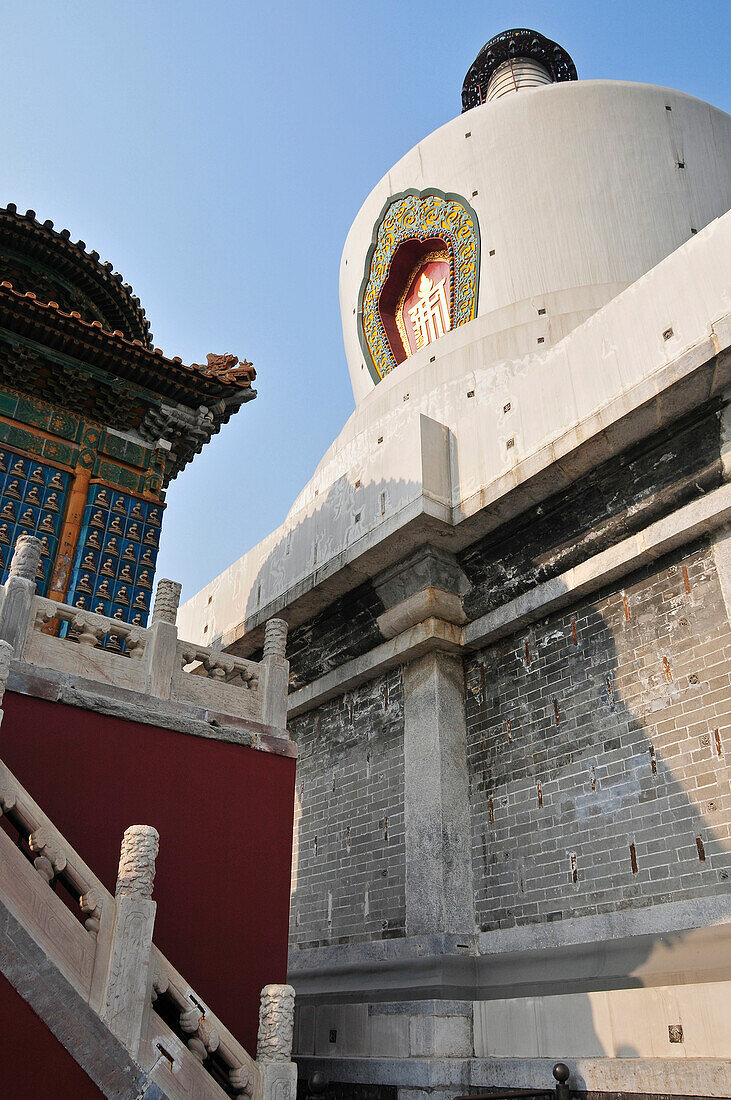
115,381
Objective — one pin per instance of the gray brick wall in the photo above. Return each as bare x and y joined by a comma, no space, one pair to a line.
344,630
349,856
598,747
623,495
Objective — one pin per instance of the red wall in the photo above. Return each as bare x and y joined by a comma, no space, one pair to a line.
224,814
33,1064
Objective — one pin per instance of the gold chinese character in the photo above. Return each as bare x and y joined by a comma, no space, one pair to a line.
430,315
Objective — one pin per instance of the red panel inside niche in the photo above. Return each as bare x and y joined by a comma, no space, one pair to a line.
407,266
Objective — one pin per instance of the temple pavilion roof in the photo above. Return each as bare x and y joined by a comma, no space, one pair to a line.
35,256
72,332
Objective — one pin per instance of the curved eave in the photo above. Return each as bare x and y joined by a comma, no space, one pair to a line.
105,287
89,342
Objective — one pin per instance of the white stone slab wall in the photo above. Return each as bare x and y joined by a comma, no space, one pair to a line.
619,1023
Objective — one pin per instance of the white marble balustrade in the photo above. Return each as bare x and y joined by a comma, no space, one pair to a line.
148,661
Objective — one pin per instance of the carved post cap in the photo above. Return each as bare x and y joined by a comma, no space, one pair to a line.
136,875
167,599
276,1024
26,555
275,638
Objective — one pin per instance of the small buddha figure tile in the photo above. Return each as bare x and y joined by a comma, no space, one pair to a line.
140,602
107,567
104,590
122,596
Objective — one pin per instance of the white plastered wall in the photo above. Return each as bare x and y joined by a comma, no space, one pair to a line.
618,1023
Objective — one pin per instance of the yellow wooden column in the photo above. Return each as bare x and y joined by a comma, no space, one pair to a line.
74,516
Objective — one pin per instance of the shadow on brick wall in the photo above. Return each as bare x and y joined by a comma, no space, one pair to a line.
597,746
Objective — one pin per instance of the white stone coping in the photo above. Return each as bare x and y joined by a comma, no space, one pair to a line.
706,1078
133,706
695,375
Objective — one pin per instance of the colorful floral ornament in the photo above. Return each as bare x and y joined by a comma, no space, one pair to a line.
419,216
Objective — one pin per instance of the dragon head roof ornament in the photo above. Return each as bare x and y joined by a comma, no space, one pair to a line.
227,368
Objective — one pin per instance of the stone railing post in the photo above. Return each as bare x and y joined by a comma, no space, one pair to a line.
274,675
16,614
128,987
274,1043
161,650
6,657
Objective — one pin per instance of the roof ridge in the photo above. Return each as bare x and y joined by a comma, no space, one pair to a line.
106,267
240,378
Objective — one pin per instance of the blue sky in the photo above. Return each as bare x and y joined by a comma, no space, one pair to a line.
217,153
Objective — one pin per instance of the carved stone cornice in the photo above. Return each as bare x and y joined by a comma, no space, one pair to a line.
428,584
186,431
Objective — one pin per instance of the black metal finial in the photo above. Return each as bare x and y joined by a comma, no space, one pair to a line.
317,1083
520,42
